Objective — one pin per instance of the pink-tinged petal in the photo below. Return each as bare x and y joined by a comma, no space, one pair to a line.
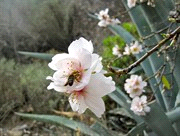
99,85
85,58
84,81
60,61
56,87
96,63
54,63
59,77
77,45
77,103
103,23
143,99
147,109
95,104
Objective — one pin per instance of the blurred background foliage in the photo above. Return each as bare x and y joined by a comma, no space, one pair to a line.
108,58
47,26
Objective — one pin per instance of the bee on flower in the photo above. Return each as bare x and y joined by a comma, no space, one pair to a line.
105,19
79,74
139,105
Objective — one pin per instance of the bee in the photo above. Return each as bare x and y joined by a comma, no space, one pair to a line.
70,80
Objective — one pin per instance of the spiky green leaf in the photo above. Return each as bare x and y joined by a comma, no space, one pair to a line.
61,121
43,56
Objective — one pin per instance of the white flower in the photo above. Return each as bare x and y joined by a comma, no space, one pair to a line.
116,51
103,14
91,95
127,50
73,70
135,47
131,3
105,19
139,105
134,86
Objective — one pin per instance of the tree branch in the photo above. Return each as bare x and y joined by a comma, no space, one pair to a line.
148,53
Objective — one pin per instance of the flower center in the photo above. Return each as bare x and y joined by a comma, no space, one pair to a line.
75,76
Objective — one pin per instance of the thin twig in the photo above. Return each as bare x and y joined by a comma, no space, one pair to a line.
153,33
148,53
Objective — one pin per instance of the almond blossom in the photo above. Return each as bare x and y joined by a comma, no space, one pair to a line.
139,105
134,86
73,70
116,51
131,3
79,73
127,50
105,19
90,95
134,48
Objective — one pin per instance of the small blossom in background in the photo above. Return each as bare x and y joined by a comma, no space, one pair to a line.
79,73
134,48
139,105
105,19
116,51
127,50
134,86
131,3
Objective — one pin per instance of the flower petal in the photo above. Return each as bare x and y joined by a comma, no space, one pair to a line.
55,64
96,63
95,104
76,45
56,87
77,103
99,85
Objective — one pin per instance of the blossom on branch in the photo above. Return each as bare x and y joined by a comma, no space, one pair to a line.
73,70
134,86
134,48
79,73
105,19
139,105
116,51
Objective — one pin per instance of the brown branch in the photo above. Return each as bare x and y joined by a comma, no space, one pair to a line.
148,53
153,33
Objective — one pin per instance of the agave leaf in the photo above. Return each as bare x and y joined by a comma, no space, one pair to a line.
137,130
174,115
61,121
136,70
147,65
152,19
43,56
158,121
102,130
